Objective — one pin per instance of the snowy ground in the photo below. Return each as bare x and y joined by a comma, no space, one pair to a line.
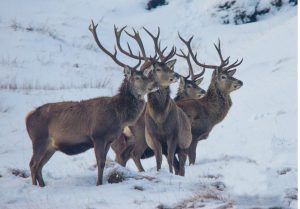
47,54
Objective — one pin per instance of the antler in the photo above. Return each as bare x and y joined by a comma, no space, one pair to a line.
191,72
136,36
194,56
223,63
233,65
157,45
118,37
93,29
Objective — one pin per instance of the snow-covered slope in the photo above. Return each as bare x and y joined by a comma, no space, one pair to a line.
47,54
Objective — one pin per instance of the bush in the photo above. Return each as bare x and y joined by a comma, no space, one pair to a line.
115,177
248,11
152,4
293,2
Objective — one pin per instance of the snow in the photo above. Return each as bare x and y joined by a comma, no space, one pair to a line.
49,55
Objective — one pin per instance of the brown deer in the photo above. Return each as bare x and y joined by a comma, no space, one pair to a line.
166,124
205,113
132,143
74,127
189,89
163,73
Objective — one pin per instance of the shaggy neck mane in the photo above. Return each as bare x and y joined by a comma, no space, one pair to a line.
180,95
218,101
159,100
129,104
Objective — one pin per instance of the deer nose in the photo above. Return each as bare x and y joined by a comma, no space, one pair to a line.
177,76
203,91
240,83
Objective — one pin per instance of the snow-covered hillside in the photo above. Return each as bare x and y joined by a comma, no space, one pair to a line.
47,55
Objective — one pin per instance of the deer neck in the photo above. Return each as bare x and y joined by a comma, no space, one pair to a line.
180,95
159,100
218,101
129,104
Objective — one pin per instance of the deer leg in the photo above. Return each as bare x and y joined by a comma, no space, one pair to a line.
124,156
176,165
136,155
120,147
33,169
158,154
101,148
192,152
49,153
39,150
156,146
138,164
182,159
171,153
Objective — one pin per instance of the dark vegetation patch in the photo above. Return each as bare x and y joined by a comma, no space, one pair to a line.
293,2
233,13
219,185
138,188
284,171
212,176
19,173
162,206
41,29
152,4
115,177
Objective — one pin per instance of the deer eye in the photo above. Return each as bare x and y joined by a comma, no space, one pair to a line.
158,69
189,86
223,77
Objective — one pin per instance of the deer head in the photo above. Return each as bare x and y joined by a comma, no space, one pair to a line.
140,82
222,76
190,87
163,69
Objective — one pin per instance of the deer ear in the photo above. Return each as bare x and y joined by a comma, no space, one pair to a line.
171,64
216,72
147,71
231,72
197,82
127,72
181,83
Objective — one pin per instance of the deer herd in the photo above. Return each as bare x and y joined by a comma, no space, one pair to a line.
132,127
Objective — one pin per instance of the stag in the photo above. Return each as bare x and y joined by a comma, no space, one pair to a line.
205,113
166,124
132,144
162,108
189,89
74,127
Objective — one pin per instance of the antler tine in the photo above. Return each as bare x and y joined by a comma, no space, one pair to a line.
195,77
187,57
191,71
136,36
233,65
194,56
93,29
218,48
118,37
149,62
162,51
156,43
139,63
170,55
